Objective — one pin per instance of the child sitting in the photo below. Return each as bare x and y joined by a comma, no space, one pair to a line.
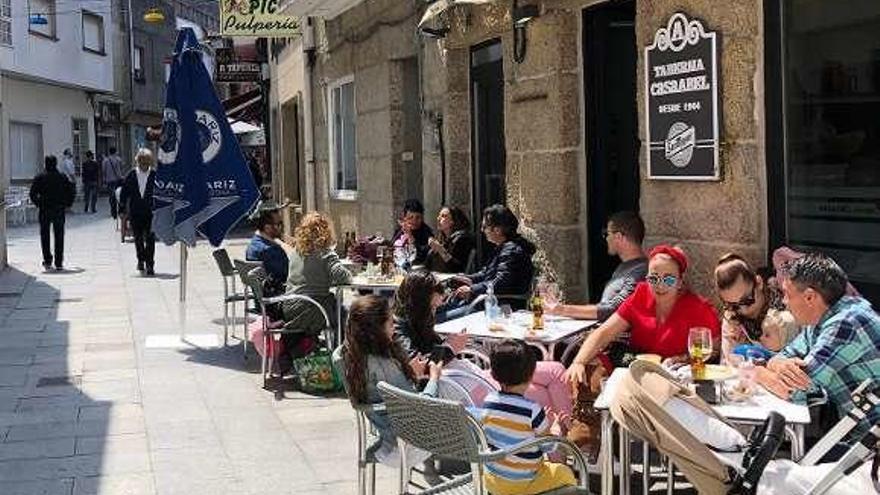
509,418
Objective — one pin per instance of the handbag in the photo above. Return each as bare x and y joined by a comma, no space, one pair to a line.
586,422
316,373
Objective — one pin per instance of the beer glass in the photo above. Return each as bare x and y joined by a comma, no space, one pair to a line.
700,350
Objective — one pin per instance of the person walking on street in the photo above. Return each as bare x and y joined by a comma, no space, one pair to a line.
68,168
136,200
112,166
90,172
52,193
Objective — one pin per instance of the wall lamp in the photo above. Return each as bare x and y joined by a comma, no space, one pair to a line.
521,16
435,33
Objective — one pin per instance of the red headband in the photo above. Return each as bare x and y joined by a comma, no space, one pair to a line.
675,253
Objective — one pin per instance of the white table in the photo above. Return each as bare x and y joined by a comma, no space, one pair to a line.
556,329
362,283
752,412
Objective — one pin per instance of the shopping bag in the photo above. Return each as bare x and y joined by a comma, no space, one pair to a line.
316,373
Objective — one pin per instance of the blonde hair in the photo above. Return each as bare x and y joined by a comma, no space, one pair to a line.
781,323
144,156
313,234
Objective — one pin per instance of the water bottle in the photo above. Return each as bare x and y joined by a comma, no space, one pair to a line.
490,305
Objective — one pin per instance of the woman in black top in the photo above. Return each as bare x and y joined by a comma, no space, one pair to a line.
450,251
415,305
510,268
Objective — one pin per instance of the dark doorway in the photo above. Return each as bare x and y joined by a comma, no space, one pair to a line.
609,47
487,117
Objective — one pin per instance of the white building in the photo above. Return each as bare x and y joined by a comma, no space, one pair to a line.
56,57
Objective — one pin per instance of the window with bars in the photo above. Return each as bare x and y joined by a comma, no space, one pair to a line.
6,22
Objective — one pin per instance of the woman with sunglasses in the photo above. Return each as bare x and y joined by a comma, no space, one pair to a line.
754,313
658,317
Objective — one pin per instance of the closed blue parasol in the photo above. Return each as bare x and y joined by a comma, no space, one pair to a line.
203,184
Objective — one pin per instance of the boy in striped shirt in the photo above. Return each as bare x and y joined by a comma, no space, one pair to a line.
509,418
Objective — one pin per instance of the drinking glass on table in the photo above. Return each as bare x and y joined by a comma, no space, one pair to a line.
550,294
700,350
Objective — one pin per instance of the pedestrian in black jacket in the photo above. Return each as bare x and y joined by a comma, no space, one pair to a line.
52,193
136,199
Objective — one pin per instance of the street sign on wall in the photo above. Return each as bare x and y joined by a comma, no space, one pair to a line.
230,69
681,102
259,18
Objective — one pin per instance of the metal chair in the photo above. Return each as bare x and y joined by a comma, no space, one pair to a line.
365,432
255,280
231,296
241,269
444,428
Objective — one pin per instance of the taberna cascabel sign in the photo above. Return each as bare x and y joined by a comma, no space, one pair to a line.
681,100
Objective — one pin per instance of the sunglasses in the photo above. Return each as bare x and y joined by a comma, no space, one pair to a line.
657,280
745,302
607,232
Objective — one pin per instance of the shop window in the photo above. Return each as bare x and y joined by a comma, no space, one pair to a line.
26,150
45,10
93,32
831,95
6,22
343,142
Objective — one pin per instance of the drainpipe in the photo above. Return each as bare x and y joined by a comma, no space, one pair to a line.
311,186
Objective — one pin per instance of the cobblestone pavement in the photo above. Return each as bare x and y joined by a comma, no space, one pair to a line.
86,408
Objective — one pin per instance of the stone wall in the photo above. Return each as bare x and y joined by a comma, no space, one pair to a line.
369,41
711,218
542,126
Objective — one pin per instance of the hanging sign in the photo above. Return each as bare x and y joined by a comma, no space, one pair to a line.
230,69
681,100
259,18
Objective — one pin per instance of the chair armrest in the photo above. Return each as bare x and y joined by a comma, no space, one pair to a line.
368,408
297,297
573,450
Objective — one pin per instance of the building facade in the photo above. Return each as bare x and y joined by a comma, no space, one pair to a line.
55,63
554,118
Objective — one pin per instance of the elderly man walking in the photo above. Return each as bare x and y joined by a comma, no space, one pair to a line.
137,201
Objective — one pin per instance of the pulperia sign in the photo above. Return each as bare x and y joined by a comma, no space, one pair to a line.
259,18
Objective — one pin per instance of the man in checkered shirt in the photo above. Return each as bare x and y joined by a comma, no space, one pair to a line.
839,346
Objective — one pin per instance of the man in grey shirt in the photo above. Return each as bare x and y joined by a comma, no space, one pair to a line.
624,235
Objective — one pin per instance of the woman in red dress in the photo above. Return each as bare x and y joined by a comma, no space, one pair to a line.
658,317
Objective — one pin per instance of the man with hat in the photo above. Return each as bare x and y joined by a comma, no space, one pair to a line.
265,245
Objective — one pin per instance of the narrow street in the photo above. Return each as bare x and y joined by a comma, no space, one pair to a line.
86,408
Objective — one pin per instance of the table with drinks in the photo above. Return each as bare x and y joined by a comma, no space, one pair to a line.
739,400
518,325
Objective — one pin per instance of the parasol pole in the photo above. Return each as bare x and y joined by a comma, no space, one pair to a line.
182,305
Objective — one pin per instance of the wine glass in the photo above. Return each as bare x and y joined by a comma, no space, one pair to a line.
550,294
700,350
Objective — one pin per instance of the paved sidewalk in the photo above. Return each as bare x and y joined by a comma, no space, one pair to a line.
86,409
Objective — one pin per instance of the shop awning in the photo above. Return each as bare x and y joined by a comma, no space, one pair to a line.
239,127
246,106
440,6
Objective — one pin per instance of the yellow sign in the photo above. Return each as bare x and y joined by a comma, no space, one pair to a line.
260,18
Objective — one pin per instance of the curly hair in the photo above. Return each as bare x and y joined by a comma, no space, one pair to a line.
413,303
365,336
314,233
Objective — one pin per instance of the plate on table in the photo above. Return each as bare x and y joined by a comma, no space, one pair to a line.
714,372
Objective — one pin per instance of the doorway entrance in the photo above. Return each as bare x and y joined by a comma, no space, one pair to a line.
609,48
487,127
